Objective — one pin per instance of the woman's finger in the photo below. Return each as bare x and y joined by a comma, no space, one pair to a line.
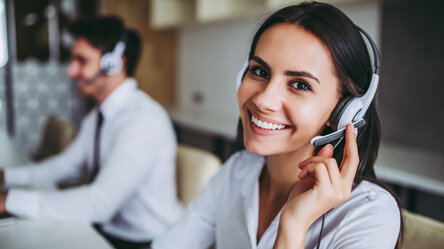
350,159
318,171
315,159
330,163
326,151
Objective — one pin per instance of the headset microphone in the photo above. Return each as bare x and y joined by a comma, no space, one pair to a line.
326,139
93,78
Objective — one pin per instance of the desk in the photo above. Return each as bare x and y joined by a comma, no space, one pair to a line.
10,153
37,234
29,234
411,168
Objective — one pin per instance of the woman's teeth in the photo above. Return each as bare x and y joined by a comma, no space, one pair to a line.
266,125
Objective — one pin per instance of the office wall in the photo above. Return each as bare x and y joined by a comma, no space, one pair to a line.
411,92
210,56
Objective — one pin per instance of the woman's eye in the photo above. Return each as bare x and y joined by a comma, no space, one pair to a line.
300,85
259,72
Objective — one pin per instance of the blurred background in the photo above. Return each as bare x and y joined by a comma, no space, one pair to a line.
193,50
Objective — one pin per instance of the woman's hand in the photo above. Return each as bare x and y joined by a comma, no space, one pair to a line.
323,185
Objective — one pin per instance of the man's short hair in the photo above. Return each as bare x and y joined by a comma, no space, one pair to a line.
104,32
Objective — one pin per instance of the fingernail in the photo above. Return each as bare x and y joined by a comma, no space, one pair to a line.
352,128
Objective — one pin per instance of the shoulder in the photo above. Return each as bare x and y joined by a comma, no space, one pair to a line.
370,200
142,120
370,217
369,193
230,181
243,164
240,167
141,100
143,110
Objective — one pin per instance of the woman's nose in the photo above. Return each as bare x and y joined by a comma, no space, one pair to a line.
270,97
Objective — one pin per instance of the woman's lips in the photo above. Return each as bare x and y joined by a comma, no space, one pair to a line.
265,127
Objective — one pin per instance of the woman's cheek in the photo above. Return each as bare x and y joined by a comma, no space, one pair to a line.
308,117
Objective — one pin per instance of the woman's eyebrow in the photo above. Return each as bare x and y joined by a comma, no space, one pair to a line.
260,61
303,74
288,73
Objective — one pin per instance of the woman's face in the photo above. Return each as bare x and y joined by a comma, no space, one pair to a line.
288,93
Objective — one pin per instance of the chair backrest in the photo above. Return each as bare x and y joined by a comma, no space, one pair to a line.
422,232
56,136
194,168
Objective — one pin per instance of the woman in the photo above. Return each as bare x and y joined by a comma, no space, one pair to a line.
282,192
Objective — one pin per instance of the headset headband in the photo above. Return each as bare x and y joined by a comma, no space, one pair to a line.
374,49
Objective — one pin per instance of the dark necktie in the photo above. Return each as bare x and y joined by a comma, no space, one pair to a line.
96,158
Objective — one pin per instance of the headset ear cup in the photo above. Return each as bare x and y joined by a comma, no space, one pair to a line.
110,64
241,74
339,111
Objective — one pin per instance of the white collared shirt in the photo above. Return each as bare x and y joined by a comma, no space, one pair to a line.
134,194
226,212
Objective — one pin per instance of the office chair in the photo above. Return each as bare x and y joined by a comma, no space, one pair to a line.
56,136
422,232
194,168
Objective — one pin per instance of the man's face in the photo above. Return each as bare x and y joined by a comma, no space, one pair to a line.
84,66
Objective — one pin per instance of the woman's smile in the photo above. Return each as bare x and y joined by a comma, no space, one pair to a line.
265,126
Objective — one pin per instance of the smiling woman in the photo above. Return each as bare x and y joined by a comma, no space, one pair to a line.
280,191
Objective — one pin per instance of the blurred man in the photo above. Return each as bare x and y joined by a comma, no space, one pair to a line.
123,156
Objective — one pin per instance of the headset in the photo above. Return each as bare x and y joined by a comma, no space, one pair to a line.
349,109
111,62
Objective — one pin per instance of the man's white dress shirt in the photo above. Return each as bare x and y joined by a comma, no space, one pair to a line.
226,212
133,195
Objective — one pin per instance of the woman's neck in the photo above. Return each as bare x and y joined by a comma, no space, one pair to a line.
280,174
282,171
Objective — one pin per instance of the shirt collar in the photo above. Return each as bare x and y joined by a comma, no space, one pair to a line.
253,165
250,172
114,101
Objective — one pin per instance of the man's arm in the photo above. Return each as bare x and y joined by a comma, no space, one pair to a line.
122,171
50,171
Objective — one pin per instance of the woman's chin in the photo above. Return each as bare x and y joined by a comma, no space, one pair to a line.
271,149
260,149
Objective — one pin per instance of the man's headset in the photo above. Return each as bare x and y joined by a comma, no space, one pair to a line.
111,62
349,109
